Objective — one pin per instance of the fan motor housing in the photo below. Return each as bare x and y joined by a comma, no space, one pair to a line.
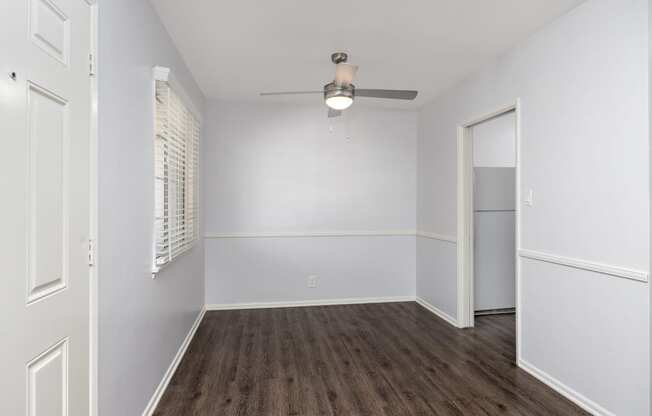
333,90
339,57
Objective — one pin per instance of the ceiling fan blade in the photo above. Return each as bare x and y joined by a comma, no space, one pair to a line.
390,94
334,113
344,73
292,92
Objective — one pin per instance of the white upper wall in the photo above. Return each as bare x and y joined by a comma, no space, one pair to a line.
583,87
279,168
583,90
142,321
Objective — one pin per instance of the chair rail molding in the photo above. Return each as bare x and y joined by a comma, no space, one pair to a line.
606,269
312,234
435,236
334,233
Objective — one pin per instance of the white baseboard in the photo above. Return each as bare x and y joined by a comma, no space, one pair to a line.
304,303
443,315
158,393
575,397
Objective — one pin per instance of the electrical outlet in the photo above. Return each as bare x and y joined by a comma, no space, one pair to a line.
312,281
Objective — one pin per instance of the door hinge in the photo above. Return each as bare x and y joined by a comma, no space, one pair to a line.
91,252
91,64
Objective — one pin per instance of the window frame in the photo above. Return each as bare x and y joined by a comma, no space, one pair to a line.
184,145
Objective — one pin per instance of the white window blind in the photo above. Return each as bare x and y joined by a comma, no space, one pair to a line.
176,177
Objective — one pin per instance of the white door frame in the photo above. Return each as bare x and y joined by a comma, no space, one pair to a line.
94,217
465,273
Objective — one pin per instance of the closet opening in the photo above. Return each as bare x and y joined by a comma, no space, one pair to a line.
488,221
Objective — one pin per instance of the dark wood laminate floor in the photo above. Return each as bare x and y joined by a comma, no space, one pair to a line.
383,359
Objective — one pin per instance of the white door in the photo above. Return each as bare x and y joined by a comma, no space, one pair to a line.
44,207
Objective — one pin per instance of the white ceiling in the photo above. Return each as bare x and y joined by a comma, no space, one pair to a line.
238,48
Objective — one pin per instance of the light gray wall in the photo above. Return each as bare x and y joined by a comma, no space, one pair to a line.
436,262
278,168
261,270
142,322
590,332
583,85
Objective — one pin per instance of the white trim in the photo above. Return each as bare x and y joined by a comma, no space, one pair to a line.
161,73
517,231
481,119
465,283
607,269
435,236
305,303
300,234
443,315
158,74
311,234
93,304
158,393
575,397
465,226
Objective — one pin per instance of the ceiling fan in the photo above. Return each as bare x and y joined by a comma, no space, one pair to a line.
340,93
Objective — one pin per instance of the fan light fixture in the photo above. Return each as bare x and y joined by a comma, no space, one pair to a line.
339,102
338,97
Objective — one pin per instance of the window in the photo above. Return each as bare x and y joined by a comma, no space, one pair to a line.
176,148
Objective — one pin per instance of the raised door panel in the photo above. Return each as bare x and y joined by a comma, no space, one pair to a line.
50,29
47,382
48,219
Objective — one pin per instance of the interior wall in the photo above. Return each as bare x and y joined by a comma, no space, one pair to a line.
279,169
583,88
494,142
494,206
142,321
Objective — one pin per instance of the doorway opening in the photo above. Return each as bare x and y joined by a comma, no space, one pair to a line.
488,217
